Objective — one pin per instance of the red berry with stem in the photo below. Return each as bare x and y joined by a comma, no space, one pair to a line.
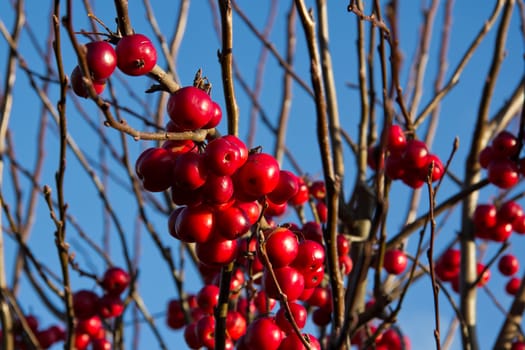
136,54
290,280
298,313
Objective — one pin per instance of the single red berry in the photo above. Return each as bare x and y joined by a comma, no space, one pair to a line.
513,286
91,326
318,189
216,116
217,251
499,233
258,176
190,336
101,59
394,167
505,144
205,330
232,222
223,157
396,140
448,265
286,188
503,173
136,55
263,334
508,265
85,303
190,108
110,306
208,298
415,154
509,211
175,318
486,156
302,194
290,280
190,171
154,167
298,313
395,261
115,280
484,216
235,324
101,344
218,189
282,246
80,88
194,224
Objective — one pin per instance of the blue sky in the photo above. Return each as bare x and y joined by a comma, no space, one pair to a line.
199,50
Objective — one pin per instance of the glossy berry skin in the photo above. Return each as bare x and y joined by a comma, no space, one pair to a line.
205,330
175,315
194,224
85,303
302,194
136,55
216,116
100,344
263,334
91,326
509,211
154,167
395,261
281,247
299,314
232,222
505,144
415,154
518,345
78,86
258,176
499,233
290,280
503,173
438,170
508,265
286,188
115,280
485,277
190,171
292,342
101,59
448,265
310,262
396,140
110,306
190,336
190,108
217,251
208,298
235,324
223,157
513,285
484,216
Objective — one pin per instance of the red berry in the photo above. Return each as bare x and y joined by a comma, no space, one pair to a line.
208,298
85,303
258,176
110,306
484,216
394,167
298,313
136,55
190,336
290,280
115,280
190,108
505,144
503,173
508,265
281,247
415,154
235,324
190,171
217,251
154,167
223,157
101,59
396,140
263,334
395,261
194,224
509,211
78,86
100,344
513,285
286,188
91,326
486,155
205,330
216,116
302,194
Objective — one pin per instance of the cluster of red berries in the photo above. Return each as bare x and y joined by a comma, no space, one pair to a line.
497,223
500,158
448,268
91,309
134,55
407,160
390,339
45,337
